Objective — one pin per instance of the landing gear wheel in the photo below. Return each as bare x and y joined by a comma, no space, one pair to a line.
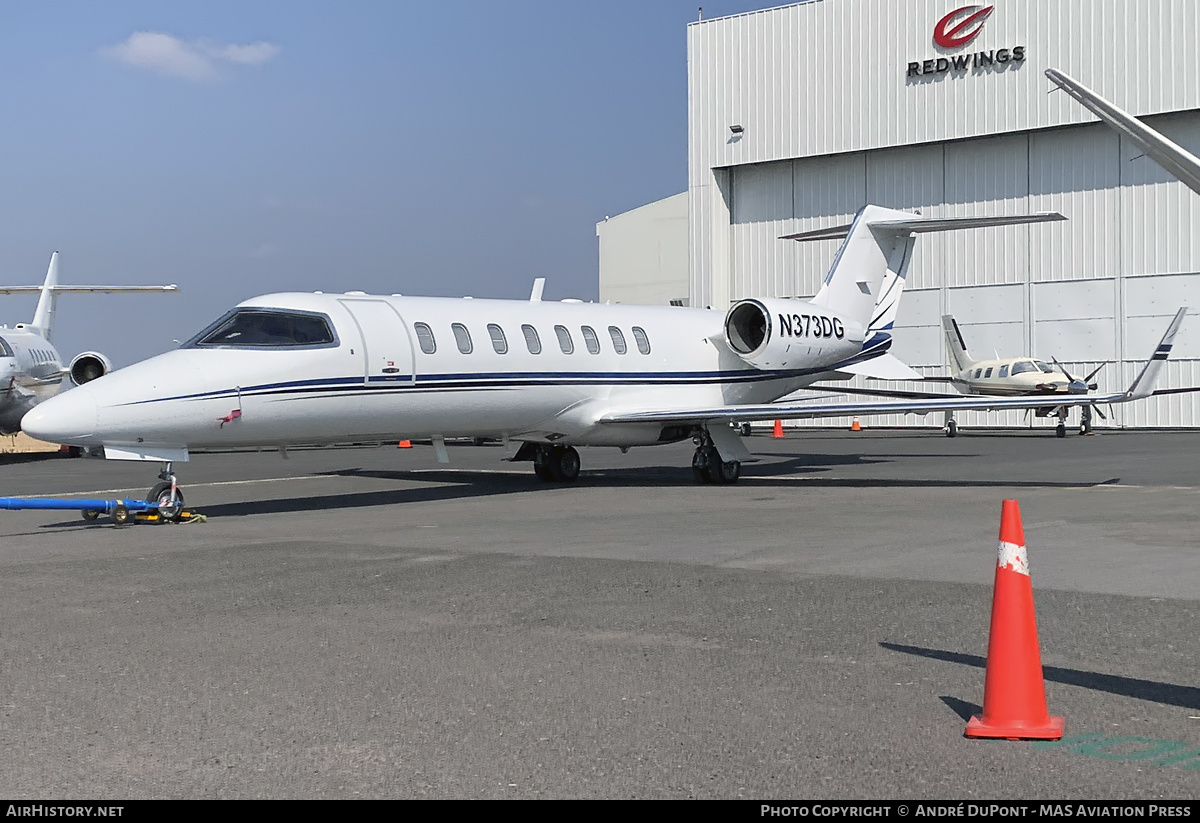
1084,428
726,473
952,429
1060,430
542,460
90,514
120,515
744,430
565,464
160,496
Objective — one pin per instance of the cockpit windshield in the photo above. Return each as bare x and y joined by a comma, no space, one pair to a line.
5,350
1045,368
1023,367
265,329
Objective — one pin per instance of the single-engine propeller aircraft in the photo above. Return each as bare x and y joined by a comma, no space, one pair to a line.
325,368
1015,376
30,368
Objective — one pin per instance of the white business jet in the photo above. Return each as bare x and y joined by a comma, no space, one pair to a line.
30,369
325,368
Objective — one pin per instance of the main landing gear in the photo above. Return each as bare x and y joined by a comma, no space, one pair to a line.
166,495
556,464
707,465
1085,420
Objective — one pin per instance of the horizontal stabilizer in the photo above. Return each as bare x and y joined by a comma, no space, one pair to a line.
930,224
85,289
883,367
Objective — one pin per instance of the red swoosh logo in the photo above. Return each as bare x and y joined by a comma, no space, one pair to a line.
952,32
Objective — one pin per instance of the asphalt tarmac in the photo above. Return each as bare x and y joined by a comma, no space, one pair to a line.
362,622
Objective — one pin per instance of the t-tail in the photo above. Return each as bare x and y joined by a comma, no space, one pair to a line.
868,274
956,347
43,315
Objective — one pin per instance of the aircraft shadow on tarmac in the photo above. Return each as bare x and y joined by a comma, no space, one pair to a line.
1187,697
454,484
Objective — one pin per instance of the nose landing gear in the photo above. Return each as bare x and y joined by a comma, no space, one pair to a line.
166,495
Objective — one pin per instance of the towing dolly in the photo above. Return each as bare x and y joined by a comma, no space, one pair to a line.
121,511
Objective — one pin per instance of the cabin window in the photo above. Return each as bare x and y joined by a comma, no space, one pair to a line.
1003,371
988,373
5,351
643,342
531,339
425,337
564,340
462,337
265,329
618,339
590,338
978,373
1022,368
499,342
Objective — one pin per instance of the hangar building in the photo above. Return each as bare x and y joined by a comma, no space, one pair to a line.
800,115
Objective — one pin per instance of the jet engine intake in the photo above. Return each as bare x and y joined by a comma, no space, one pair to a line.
783,334
88,366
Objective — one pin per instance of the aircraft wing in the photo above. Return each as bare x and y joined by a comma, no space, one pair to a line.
1171,156
1142,386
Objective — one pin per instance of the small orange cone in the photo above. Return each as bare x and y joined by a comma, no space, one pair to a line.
854,426
404,444
778,429
1014,693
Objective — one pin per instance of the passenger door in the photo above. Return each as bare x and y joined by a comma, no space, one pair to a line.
387,352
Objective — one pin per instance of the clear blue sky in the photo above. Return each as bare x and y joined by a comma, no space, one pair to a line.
446,148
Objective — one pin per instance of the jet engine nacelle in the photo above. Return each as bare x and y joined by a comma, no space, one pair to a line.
88,366
787,334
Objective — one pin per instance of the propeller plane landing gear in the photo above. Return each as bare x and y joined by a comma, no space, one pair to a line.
1085,420
556,464
165,495
707,465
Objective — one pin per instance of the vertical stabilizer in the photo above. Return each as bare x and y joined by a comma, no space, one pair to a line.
43,316
871,257
956,347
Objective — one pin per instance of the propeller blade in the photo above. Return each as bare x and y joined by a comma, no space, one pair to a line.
1095,371
1062,369
1096,409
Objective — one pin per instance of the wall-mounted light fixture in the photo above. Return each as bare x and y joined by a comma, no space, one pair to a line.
736,129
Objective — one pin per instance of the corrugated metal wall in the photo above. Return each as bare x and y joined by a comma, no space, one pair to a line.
830,120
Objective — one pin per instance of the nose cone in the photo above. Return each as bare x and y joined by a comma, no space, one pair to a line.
67,418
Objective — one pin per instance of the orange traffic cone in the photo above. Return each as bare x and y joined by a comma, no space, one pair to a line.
854,425
1014,693
778,429
404,444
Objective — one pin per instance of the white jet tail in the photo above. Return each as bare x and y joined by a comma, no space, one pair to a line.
1171,156
868,273
43,315
955,345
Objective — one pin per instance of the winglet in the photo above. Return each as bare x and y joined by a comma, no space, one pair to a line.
1143,384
